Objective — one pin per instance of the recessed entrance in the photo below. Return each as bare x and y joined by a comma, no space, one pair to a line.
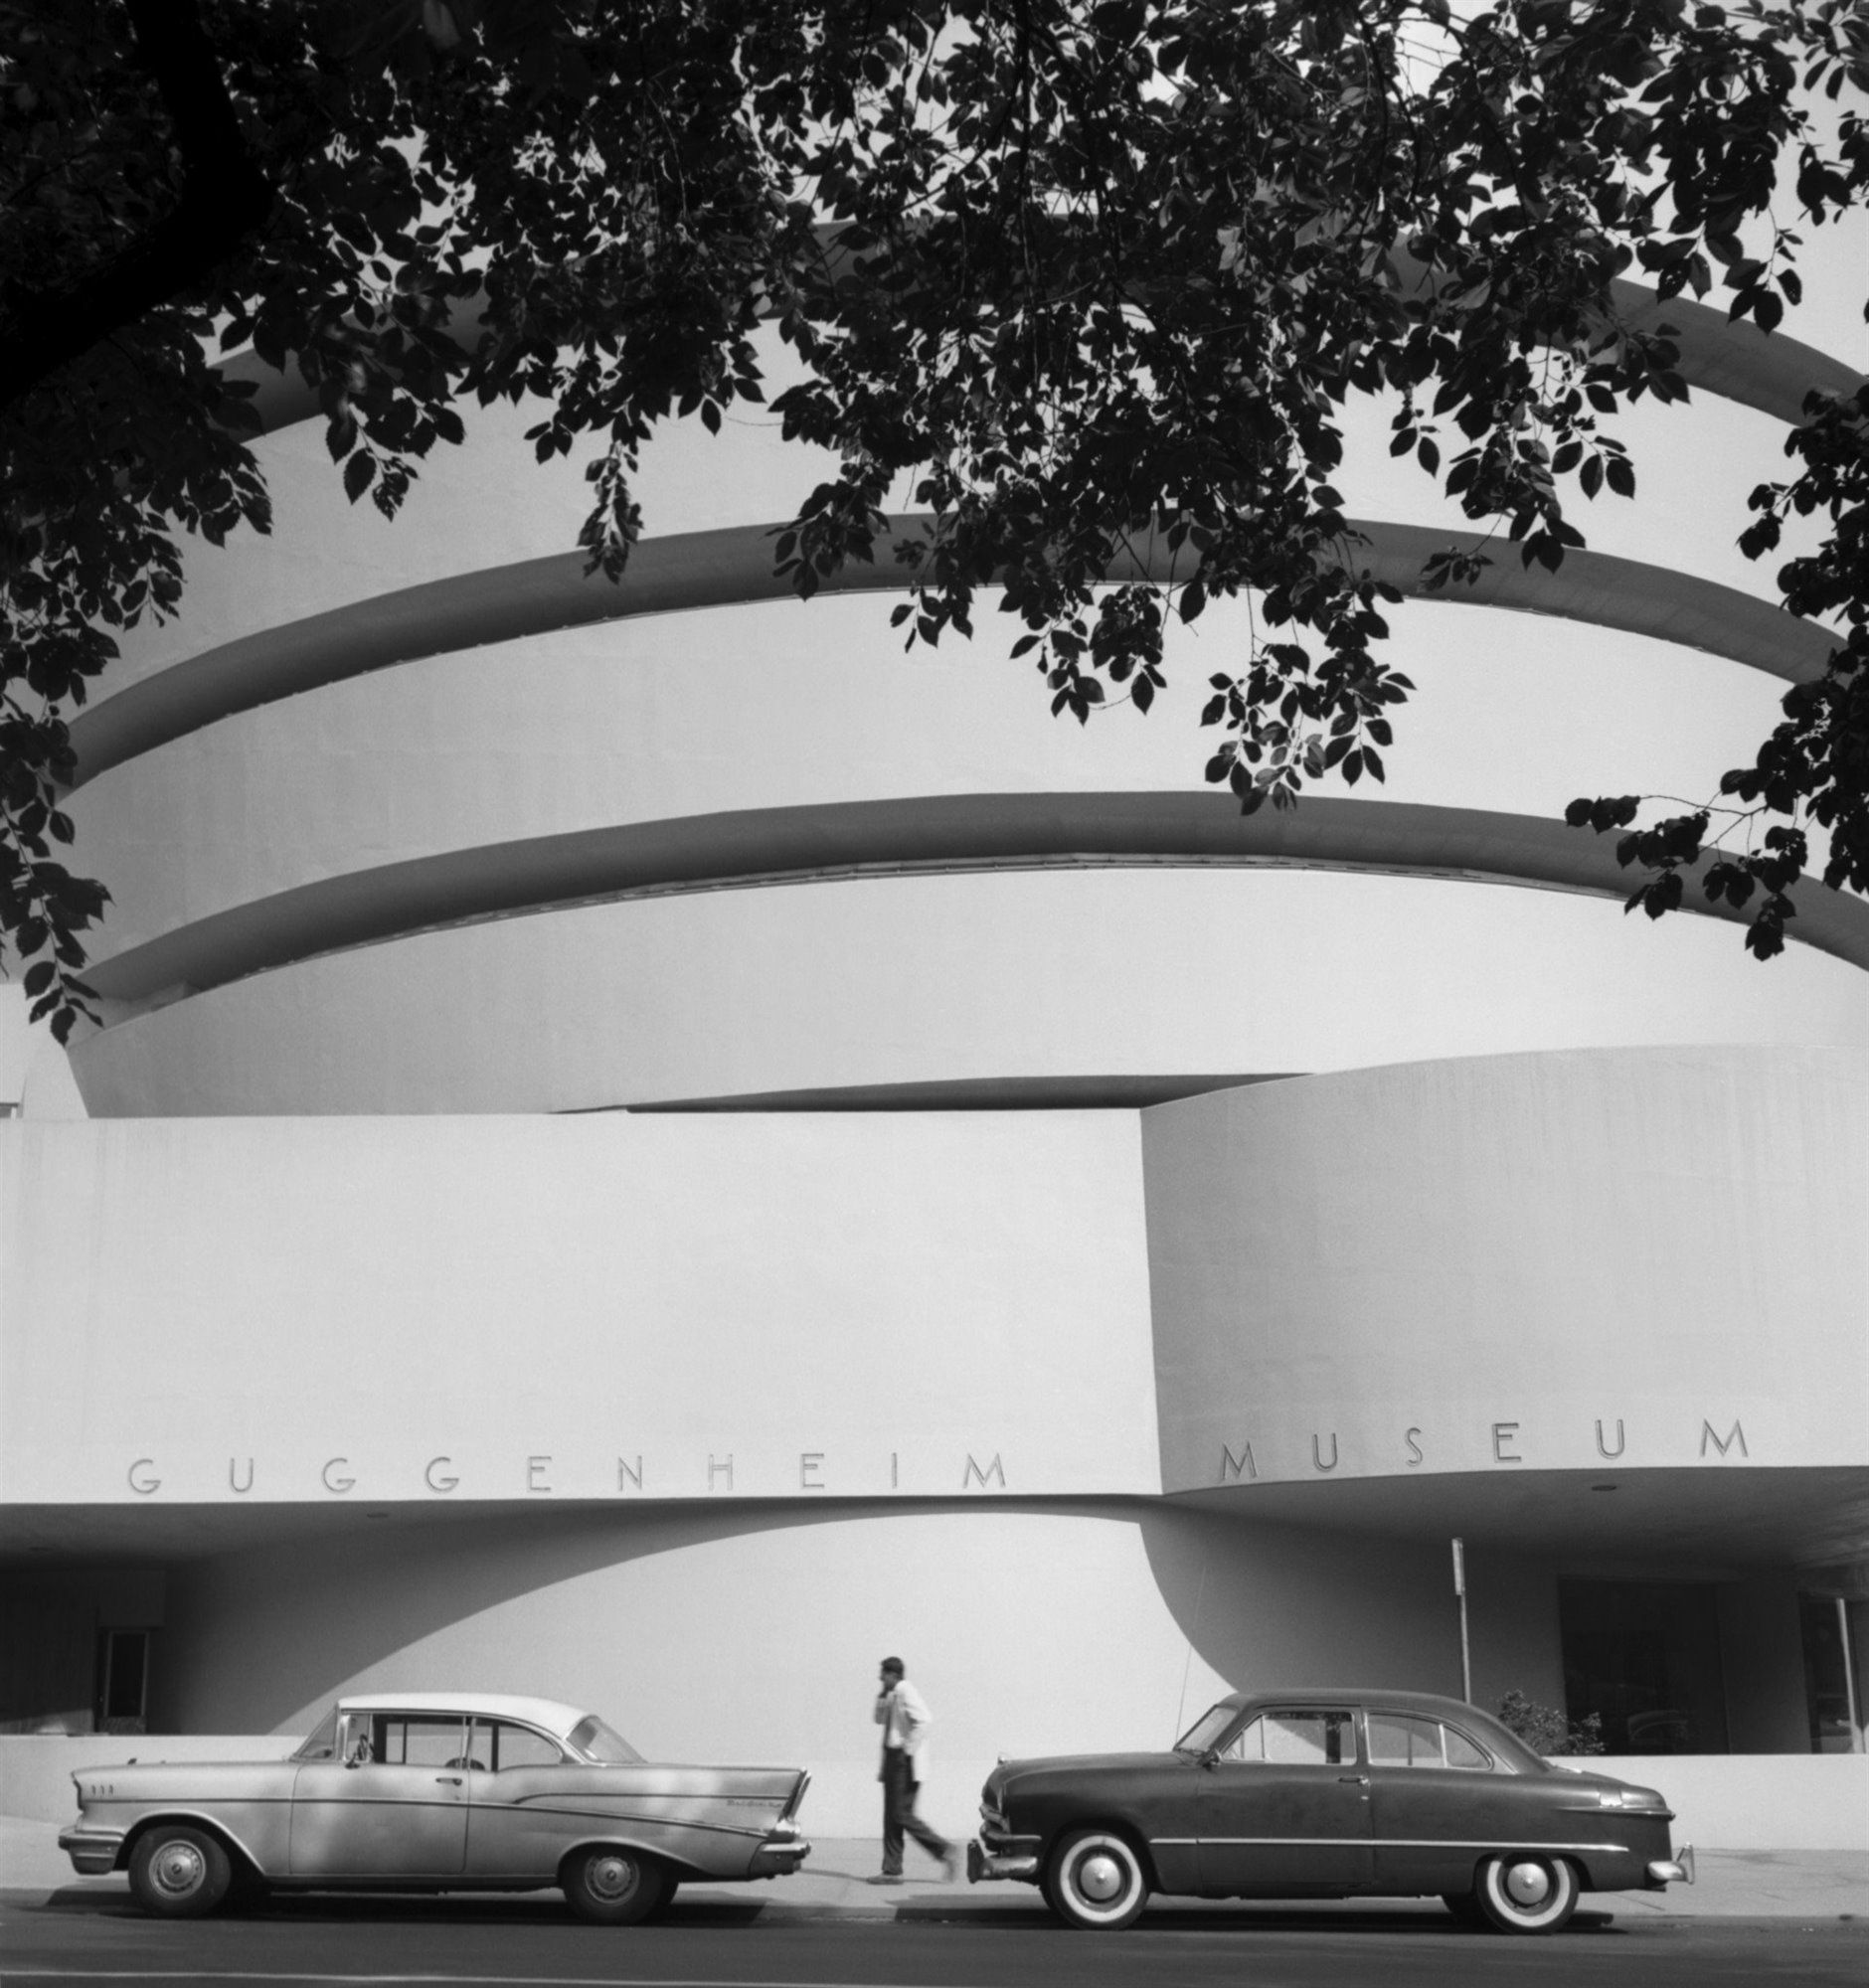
1644,1657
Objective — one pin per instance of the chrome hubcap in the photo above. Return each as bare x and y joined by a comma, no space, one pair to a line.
1100,1878
610,1877
1528,1883
178,1867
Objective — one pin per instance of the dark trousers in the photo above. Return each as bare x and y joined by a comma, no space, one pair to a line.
899,1816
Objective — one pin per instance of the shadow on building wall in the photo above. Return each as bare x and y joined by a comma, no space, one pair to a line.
1153,1600
1273,1606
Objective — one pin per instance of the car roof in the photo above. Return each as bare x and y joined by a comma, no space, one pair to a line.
555,1718
1428,1703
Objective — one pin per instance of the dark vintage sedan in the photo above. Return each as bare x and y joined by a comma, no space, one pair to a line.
1327,1794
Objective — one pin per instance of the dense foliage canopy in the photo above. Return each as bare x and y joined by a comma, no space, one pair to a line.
1077,269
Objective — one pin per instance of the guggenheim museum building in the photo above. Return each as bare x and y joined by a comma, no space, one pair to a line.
648,1148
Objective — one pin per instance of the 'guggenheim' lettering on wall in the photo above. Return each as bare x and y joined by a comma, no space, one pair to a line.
541,1473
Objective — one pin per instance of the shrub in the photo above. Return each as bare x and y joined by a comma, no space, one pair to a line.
1546,1731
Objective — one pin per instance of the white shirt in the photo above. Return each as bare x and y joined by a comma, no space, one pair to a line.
905,1718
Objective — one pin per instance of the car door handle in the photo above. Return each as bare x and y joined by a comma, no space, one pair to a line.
453,1780
1355,1780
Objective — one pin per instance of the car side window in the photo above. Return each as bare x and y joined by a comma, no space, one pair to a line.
1399,1740
408,1739
1463,1752
1249,1744
320,1743
501,1747
1395,1741
1297,1739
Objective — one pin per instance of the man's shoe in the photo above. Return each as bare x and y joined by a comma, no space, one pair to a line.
950,1865
885,1878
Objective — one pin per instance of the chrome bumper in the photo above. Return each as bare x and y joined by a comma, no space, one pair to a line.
985,1862
94,1852
1678,1870
777,1856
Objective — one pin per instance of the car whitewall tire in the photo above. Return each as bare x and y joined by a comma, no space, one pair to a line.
612,1887
1527,1891
179,1873
1095,1880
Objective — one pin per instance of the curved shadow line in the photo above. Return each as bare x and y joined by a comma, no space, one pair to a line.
734,567
762,847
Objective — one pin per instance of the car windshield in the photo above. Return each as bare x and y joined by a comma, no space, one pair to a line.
1204,1735
596,1741
320,1743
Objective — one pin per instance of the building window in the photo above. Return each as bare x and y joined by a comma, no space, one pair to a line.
1827,1694
122,1680
1644,1657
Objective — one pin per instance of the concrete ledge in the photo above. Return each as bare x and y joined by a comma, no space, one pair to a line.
35,1768
1758,1802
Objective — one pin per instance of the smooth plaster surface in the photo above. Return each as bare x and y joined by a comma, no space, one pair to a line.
898,980
1521,1262
719,1299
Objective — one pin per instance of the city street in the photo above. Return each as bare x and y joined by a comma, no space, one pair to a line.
936,1943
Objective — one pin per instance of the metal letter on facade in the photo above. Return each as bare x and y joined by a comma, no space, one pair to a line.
624,1472
720,1469
336,1463
1317,1456
974,1474
1621,1441
1415,1448
1231,1465
894,1471
809,1461
144,1463
1723,1444
536,1467
435,1483
1503,1433
232,1482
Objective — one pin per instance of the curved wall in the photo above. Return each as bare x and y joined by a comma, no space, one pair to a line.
1476,1265
482,755
1517,1265
895,981
563,733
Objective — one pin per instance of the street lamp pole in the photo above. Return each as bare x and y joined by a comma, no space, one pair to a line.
1459,1590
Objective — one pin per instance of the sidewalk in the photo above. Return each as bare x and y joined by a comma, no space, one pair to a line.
1733,1884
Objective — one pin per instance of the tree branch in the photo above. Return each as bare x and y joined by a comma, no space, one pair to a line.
224,197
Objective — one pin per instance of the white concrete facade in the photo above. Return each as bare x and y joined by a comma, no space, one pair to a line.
1104,1283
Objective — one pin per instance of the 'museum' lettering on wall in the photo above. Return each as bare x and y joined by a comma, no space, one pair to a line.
1722,1439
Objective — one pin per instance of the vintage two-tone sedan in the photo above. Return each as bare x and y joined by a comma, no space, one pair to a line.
438,1791
1326,1794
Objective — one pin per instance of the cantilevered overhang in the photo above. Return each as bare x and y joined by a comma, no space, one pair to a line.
1702,1520
758,848
734,567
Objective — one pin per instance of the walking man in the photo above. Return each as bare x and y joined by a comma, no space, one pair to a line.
902,1714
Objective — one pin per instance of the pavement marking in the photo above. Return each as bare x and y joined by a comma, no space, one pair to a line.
426,1980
